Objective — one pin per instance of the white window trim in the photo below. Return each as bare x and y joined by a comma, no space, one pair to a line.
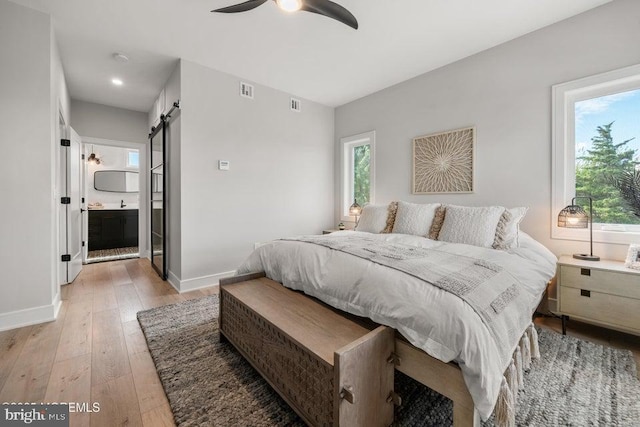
346,170
563,147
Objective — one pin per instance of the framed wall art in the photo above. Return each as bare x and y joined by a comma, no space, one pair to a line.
444,162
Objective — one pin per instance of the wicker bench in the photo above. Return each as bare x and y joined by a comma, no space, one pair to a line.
330,370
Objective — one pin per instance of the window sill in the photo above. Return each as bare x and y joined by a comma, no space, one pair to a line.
599,236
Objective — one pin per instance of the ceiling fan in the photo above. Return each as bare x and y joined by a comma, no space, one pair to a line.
321,7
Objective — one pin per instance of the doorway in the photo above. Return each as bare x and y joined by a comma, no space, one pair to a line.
115,193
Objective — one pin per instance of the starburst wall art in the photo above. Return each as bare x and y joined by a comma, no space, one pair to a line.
443,162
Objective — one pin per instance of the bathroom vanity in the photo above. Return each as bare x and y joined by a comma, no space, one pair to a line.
112,228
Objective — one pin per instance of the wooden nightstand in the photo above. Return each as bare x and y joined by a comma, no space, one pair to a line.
604,293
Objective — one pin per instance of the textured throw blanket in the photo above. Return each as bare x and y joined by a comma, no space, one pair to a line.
493,293
471,305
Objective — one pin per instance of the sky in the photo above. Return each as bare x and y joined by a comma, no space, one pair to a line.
622,108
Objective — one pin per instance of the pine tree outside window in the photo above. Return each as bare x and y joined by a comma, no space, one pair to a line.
596,152
357,164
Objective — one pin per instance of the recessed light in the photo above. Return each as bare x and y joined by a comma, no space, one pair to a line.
117,82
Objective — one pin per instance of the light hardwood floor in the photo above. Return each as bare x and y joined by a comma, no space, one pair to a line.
95,351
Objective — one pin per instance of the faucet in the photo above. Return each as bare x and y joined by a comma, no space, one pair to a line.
122,205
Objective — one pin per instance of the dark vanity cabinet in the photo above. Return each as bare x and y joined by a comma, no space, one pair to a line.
109,229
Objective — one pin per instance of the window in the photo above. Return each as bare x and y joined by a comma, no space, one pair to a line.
596,152
133,159
358,153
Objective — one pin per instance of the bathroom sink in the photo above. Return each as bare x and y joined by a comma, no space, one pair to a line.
116,206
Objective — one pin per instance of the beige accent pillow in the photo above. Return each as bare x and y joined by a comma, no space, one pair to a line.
373,219
392,210
414,218
508,229
438,220
471,225
499,241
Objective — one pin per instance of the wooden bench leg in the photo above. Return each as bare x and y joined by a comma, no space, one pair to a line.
464,416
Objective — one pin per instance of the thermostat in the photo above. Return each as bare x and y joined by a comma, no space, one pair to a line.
223,165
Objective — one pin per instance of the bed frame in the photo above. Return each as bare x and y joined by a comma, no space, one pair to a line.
444,378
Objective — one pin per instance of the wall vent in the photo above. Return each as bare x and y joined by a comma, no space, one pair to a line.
295,105
246,90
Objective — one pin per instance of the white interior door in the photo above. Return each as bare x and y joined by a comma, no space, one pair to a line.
63,172
73,210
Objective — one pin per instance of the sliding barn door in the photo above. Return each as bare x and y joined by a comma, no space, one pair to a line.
158,200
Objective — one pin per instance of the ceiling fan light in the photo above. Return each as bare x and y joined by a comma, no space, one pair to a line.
289,5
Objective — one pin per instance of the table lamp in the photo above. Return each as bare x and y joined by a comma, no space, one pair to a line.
573,216
355,210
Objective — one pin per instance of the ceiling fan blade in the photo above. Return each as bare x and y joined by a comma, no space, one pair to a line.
242,7
331,10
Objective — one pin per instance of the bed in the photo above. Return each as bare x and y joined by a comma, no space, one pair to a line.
462,311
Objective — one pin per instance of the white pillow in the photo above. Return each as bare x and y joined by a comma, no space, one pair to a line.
471,225
413,218
508,228
373,219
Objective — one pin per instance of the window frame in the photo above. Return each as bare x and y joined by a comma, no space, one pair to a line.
564,97
346,170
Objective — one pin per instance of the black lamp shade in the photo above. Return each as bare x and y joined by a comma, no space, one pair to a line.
573,216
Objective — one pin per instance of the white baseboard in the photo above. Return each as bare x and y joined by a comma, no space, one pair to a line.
31,316
188,285
57,304
173,281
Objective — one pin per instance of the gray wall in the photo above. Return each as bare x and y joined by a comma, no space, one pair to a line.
281,178
102,121
506,93
33,91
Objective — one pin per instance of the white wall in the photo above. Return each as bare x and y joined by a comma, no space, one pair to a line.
280,182
60,111
102,121
32,86
506,93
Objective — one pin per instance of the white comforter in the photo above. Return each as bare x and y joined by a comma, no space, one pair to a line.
432,319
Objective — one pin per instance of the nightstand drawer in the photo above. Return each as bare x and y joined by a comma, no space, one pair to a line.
609,309
608,282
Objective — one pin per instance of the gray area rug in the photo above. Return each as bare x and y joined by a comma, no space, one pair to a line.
208,383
